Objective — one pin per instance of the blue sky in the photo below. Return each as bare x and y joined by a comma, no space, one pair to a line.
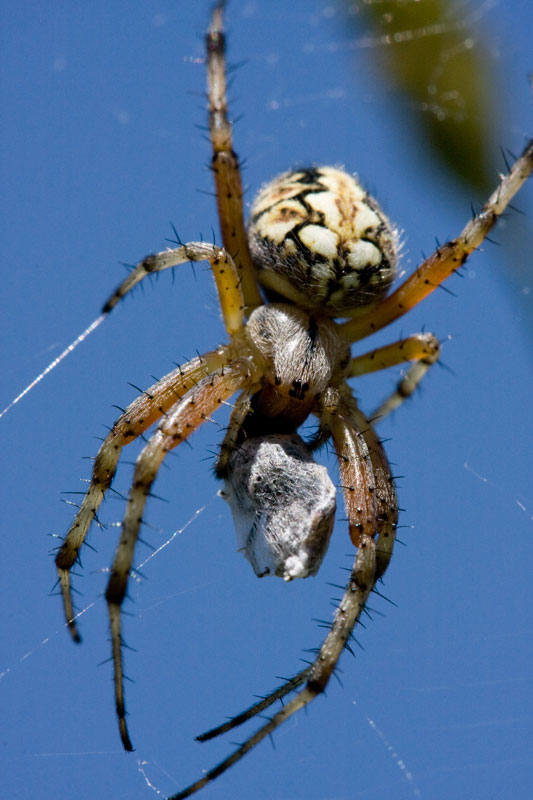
100,152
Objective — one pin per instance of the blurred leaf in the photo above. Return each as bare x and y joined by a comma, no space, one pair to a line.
431,50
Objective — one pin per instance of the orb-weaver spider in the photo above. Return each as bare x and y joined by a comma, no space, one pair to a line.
319,248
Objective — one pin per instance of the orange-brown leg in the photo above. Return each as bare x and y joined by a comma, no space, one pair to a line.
369,492
240,411
176,426
224,271
446,260
225,163
423,348
372,511
136,419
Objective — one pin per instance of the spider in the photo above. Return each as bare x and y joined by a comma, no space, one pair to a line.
317,248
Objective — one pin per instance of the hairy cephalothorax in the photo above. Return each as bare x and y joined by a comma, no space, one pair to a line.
318,247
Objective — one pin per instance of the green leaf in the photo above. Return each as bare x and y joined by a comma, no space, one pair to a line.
431,50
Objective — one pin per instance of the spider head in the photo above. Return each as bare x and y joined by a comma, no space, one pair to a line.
318,240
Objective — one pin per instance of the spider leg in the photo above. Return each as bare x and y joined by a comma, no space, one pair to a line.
238,415
176,426
369,492
137,418
359,588
224,271
286,688
423,348
225,163
372,508
446,260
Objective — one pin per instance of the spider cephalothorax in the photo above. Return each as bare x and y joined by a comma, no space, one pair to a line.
319,247
277,493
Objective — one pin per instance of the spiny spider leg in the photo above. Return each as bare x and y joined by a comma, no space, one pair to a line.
385,494
225,163
157,400
136,419
371,507
423,348
353,603
369,492
286,688
175,427
446,260
362,581
239,413
417,347
224,271
380,488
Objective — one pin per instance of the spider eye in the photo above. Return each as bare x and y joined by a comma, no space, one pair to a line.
319,240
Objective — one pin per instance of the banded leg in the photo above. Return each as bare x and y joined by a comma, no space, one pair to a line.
187,415
282,691
372,508
423,348
371,503
137,418
224,271
225,163
446,260
369,492
359,587
238,415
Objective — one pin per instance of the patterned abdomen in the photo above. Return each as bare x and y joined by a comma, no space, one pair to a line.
319,240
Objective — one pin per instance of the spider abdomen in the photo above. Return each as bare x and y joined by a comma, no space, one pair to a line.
320,241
